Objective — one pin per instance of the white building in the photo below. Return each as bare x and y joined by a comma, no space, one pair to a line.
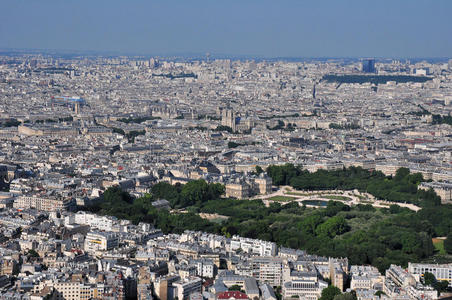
259,247
40,203
205,268
100,241
441,272
183,289
365,278
308,288
268,270
103,223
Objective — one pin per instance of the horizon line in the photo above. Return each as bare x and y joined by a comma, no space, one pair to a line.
189,54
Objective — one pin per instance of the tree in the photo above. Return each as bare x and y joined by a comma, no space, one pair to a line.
335,126
282,175
448,243
394,209
309,224
410,242
259,170
235,287
118,130
32,253
330,292
401,173
11,123
380,293
429,279
133,134
377,238
334,207
233,144
214,191
115,195
164,190
194,192
278,293
224,128
332,227
440,286
345,296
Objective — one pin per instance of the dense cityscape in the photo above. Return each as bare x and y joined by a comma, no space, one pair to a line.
167,178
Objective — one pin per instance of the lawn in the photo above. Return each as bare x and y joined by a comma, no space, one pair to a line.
218,220
366,202
439,245
281,198
296,194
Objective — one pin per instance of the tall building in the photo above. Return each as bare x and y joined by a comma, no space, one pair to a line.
368,65
268,270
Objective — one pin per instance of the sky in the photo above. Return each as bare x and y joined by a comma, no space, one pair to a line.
261,28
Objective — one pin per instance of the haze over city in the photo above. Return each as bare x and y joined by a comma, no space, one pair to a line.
326,28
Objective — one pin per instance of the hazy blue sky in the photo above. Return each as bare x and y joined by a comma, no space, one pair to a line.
339,28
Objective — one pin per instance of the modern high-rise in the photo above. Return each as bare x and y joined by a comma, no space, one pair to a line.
368,65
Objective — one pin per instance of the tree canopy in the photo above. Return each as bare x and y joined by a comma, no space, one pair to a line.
364,234
401,188
330,293
448,243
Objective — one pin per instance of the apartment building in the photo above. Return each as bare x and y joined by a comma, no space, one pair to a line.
43,203
100,241
183,289
441,272
262,248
